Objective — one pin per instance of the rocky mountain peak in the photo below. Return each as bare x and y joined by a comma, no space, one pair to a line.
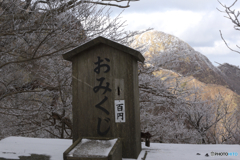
158,42
170,52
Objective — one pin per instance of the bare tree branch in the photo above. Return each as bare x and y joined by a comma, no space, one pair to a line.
233,16
227,44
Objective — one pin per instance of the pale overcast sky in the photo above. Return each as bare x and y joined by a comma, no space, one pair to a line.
196,22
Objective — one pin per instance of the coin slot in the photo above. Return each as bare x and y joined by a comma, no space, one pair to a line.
118,91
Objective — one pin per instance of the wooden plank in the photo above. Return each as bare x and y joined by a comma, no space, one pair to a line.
70,148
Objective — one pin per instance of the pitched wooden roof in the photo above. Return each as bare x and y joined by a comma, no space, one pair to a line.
78,50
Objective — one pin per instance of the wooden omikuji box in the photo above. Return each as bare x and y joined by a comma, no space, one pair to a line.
105,93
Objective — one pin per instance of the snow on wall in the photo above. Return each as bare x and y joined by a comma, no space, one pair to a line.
93,148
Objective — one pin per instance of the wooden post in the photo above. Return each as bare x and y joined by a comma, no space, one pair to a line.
105,93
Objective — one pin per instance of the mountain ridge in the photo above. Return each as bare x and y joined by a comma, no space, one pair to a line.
174,54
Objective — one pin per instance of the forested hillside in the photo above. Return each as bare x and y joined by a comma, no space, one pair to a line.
184,97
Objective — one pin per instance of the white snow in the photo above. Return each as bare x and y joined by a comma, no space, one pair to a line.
188,151
93,148
12,147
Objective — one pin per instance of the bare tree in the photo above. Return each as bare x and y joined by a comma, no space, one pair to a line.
35,82
206,115
173,109
233,16
229,130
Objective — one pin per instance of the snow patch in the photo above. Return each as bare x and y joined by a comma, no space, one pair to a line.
13,147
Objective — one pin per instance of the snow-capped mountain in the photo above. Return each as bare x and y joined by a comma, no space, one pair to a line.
170,52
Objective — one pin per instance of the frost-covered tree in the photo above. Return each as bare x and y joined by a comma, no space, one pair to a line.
229,128
232,14
35,82
173,108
